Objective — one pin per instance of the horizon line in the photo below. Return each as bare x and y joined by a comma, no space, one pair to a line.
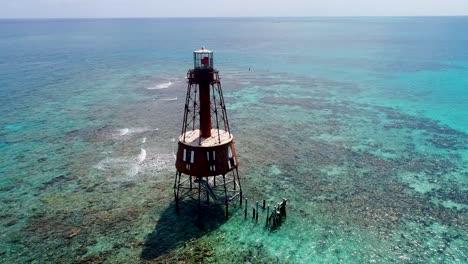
200,17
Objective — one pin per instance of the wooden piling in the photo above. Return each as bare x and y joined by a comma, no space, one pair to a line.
263,207
256,213
268,215
278,212
245,210
285,201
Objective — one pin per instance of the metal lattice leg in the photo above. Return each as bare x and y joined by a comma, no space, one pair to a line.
199,199
176,190
226,197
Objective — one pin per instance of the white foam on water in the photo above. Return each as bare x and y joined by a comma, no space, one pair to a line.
169,99
135,130
133,171
130,168
123,131
161,162
160,86
142,156
118,169
143,140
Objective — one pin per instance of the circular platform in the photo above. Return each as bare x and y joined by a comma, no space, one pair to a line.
218,137
198,156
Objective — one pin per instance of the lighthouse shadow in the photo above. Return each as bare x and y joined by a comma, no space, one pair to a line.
173,230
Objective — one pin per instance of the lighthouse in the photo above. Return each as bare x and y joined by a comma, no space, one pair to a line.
206,161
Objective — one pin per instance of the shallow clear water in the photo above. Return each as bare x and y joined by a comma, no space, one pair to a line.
360,122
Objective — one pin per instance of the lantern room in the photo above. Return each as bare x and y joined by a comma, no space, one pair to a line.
203,59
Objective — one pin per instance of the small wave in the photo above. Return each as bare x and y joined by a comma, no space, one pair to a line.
142,156
169,99
124,131
135,130
118,169
160,86
132,172
160,162
124,169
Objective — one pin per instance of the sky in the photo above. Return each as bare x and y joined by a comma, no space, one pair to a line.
227,8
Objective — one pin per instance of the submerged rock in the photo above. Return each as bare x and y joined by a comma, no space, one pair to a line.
7,188
73,232
42,159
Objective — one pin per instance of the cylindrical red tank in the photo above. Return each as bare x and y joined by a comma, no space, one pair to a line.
204,78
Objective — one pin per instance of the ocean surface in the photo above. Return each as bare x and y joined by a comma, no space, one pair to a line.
362,123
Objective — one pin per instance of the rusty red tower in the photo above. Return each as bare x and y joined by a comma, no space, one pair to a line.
206,159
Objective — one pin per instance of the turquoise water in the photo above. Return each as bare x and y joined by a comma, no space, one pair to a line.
360,122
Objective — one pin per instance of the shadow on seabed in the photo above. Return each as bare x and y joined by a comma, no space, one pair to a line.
173,230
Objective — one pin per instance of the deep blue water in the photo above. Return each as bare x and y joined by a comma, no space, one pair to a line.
361,122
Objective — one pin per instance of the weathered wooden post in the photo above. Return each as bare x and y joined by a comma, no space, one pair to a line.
278,212
283,211
268,214
245,210
274,218
256,213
